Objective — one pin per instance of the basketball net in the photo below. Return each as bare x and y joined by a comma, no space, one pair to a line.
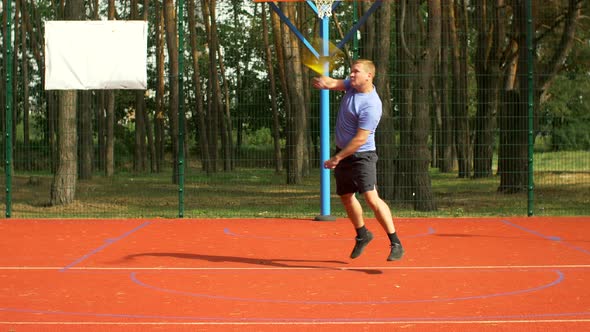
324,7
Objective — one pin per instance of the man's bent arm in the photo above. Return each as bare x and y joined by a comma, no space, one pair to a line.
355,143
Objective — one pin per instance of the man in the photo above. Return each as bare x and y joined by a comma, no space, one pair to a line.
355,160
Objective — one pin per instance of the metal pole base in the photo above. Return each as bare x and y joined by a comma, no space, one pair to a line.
325,218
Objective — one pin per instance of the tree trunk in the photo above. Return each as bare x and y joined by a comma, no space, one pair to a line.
160,87
141,119
213,87
424,200
52,103
25,74
281,67
296,119
512,158
228,146
514,167
16,47
148,129
459,89
273,94
491,29
220,98
513,151
99,115
85,136
88,110
110,134
140,148
99,106
483,144
199,115
308,150
52,114
240,57
172,44
109,158
446,139
63,186
416,61
385,135
408,30
547,72
369,33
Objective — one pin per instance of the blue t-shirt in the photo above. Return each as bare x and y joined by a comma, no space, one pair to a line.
358,110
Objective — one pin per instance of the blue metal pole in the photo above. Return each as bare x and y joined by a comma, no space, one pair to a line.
325,126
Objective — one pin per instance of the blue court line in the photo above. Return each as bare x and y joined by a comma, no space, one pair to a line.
547,237
107,243
558,280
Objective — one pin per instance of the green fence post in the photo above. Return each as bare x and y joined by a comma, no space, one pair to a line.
180,108
531,106
9,92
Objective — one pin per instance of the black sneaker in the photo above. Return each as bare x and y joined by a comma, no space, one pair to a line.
397,252
360,245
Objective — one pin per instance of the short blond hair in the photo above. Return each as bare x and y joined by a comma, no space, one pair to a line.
367,64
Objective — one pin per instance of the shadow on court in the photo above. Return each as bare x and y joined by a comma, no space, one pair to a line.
283,263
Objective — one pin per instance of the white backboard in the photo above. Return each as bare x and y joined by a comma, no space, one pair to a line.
85,55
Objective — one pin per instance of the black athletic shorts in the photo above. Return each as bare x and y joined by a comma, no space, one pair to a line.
356,173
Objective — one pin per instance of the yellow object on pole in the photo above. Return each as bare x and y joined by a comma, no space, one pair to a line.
334,59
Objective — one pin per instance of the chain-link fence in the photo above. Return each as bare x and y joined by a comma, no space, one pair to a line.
485,110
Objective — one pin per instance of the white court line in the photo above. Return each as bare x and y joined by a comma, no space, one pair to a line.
474,267
405,322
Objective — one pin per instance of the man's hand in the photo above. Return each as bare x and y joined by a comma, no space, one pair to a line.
357,141
320,82
332,162
325,82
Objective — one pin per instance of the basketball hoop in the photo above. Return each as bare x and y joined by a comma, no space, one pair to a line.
324,7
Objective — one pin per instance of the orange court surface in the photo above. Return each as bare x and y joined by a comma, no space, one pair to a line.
465,274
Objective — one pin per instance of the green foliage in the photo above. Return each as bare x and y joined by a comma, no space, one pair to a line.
260,138
567,112
124,148
257,149
573,136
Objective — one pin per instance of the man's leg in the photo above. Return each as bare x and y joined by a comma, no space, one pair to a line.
381,210
354,211
383,215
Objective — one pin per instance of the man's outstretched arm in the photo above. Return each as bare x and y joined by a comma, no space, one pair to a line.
326,82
